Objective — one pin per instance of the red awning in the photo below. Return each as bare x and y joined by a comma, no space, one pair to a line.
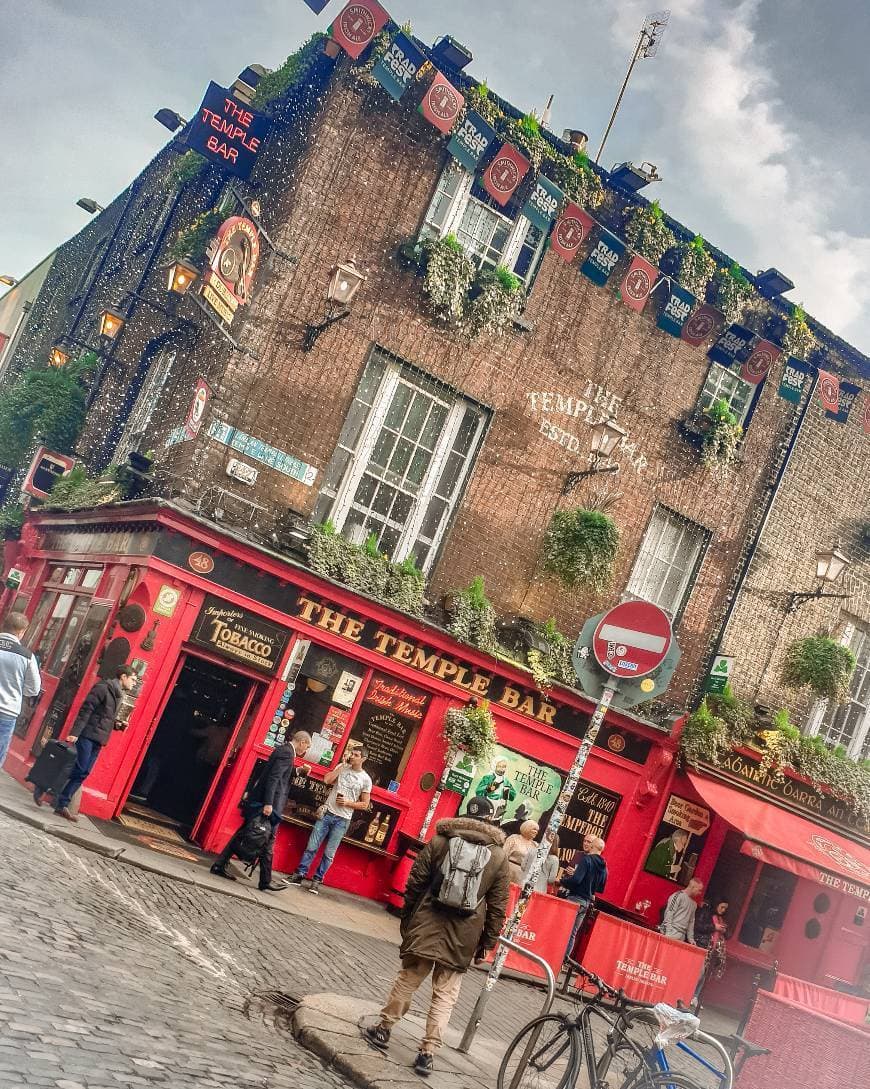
783,839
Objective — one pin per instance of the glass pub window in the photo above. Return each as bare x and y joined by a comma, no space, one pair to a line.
669,555
404,452
721,384
490,235
848,723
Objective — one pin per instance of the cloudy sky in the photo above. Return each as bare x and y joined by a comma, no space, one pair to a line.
754,111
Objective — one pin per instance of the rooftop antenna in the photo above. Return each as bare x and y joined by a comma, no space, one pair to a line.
548,113
647,47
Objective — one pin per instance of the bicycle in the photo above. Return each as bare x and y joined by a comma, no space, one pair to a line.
550,1051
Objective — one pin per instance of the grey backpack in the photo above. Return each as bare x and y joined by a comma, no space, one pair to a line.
461,871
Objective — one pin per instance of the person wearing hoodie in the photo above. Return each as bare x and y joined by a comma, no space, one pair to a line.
587,879
439,940
268,796
97,718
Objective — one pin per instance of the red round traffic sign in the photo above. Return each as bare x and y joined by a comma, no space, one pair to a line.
632,639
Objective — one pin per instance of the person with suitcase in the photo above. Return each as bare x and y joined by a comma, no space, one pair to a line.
19,677
97,718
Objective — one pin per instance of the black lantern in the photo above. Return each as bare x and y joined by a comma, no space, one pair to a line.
112,323
181,275
344,283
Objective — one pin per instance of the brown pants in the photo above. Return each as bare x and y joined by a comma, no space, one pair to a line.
445,991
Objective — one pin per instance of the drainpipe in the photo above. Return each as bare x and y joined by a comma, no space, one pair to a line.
773,492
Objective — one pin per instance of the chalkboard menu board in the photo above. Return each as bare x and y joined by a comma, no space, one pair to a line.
387,724
591,810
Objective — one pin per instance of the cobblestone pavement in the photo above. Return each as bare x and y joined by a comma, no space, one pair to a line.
111,976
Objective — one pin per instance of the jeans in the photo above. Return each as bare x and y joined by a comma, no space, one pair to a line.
582,908
87,752
445,990
7,725
330,828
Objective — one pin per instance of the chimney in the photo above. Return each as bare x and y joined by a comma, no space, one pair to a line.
548,113
577,139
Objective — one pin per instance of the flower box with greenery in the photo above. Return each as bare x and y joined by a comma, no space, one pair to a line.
448,277
192,241
366,569
723,723
580,548
733,292
798,339
472,618
495,302
696,268
722,435
78,491
820,664
470,729
647,233
549,656
187,167
293,71
576,177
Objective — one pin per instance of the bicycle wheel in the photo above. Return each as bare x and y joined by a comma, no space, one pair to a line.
544,1054
701,1057
661,1080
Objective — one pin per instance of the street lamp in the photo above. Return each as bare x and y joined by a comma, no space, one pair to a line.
344,283
181,275
606,436
57,357
169,119
8,281
830,565
112,323
89,205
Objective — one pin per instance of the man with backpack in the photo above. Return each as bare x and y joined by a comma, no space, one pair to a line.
455,905
587,879
262,808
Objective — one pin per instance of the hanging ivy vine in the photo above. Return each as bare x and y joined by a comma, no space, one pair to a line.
192,241
647,233
294,70
697,267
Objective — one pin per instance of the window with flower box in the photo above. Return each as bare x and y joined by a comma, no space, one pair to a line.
403,457
722,384
490,235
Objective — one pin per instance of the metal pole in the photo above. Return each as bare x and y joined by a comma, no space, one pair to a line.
556,818
641,42
482,999
436,797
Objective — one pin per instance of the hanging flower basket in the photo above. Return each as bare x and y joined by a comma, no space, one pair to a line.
647,233
733,292
470,729
449,275
496,301
696,268
820,664
722,435
580,548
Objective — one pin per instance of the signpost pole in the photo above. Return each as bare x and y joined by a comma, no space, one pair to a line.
512,924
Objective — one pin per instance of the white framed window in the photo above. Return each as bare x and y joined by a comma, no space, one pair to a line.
146,404
490,235
723,384
848,723
404,453
669,558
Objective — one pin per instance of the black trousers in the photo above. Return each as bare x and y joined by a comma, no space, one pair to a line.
265,856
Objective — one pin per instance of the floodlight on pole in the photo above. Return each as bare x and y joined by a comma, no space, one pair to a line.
647,46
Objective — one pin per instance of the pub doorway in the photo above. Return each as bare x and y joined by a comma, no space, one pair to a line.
196,737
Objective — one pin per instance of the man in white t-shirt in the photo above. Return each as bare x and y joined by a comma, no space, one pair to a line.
351,789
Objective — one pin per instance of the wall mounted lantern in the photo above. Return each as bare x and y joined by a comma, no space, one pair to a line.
344,283
830,565
606,436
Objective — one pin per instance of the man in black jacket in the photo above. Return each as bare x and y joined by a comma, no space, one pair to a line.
97,718
588,877
268,796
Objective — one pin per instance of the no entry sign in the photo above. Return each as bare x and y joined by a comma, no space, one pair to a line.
632,639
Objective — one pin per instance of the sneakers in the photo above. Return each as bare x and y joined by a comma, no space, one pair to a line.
314,887
424,1064
378,1036
219,871
295,879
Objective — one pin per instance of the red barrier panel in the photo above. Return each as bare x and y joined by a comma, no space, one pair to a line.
842,1007
544,930
807,1049
645,964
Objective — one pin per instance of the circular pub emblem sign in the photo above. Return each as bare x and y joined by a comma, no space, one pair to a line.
504,175
569,232
637,284
830,390
443,102
200,562
699,326
357,24
616,743
758,364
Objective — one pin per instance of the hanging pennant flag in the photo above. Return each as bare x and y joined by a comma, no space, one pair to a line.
357,24
701,325
571,230
848,393
675,313
733,343
638,282
396,69
603,258
795,376
760,360
442,103
504,173
469,143
317,5
543,204
829,391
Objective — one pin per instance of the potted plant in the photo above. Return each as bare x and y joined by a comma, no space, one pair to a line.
733,292
647,233
549,656
820,664
580,548
798,339
497,301
696,267
449,275
722,435
472,618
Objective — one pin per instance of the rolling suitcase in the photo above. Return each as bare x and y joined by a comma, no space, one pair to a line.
53,766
